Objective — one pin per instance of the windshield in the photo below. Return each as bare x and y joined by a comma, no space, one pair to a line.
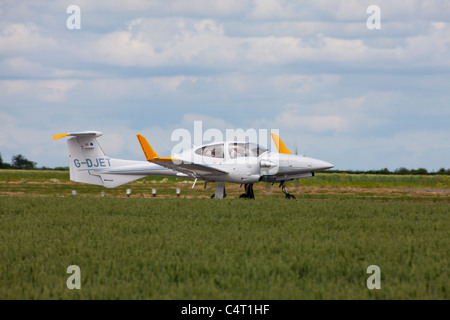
237,149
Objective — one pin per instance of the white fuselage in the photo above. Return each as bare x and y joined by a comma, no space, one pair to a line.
252,167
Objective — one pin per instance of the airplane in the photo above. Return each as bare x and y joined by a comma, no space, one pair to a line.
240,162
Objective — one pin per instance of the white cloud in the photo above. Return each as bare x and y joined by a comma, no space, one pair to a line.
335,116
42,90
22,37
207,122
310,68
313,123
205,43
267,9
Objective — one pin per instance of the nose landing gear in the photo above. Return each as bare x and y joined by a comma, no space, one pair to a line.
248,192
284,189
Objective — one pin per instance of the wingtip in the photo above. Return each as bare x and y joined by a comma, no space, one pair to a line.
149,153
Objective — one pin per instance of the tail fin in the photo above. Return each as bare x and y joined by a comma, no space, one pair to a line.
89,164
279,144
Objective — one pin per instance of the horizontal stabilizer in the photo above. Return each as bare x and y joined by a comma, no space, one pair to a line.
93,134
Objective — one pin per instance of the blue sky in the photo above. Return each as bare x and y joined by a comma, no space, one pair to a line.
361,99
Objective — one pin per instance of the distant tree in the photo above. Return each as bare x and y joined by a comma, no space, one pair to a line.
62,168
402,170
419,171
20,162
4,165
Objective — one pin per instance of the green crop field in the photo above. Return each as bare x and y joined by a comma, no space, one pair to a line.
192,247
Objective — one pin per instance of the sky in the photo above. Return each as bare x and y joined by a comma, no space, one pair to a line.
361,98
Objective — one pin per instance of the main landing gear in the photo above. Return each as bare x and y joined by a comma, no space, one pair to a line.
284,189
224,194
220,190
248,192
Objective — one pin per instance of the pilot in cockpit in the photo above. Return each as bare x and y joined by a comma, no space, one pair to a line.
210,152
236,151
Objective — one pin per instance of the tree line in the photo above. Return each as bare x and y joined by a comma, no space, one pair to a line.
22,163
400,171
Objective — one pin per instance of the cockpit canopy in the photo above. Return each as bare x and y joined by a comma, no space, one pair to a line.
247,149
234,149
214,150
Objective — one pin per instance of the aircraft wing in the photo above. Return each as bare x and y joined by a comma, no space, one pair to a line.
191,169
